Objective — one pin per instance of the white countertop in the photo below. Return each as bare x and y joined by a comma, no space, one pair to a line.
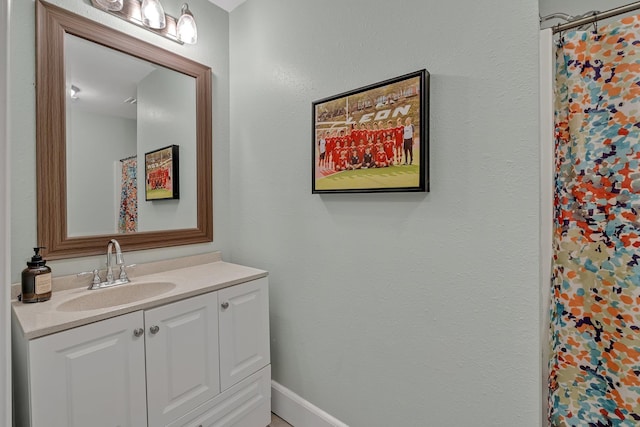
44,318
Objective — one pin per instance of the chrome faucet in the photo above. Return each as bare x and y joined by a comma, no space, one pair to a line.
110,279
119,261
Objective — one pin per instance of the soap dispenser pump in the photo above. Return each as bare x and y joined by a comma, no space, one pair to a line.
36,279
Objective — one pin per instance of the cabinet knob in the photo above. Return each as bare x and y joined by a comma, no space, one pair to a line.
154,329
138,332
224,305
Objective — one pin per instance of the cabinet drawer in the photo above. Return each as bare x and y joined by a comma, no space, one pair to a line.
246,404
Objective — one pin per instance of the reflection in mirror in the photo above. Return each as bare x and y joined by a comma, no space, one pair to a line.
118,108
80,139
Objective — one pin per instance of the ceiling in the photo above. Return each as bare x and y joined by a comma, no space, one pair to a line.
105,77
227,5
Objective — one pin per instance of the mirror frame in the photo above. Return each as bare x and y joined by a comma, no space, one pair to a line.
52,22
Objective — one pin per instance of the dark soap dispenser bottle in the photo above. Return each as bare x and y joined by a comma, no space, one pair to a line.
36,279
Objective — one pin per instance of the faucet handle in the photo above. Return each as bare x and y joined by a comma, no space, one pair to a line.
123,273
96,277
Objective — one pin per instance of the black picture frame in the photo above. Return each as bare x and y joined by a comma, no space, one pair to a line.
361,117
161,174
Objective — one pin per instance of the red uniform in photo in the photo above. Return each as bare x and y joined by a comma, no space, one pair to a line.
341,164
372,147
369,134
377,134
381,159
330,144
343,140
356,134
397,133
388,132
344,153
388,148
335,156
360,149
351,140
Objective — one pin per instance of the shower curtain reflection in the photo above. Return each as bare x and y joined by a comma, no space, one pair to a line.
128,219
595,308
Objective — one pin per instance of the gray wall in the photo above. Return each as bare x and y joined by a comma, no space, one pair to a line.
94,143
159,89
396,309
5,248
212,49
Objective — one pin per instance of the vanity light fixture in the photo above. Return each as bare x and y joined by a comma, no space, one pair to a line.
187,31
149,14
153,15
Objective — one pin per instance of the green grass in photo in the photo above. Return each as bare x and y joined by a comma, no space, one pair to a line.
389,177
160,193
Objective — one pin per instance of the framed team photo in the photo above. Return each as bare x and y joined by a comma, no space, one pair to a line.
373,139
161,174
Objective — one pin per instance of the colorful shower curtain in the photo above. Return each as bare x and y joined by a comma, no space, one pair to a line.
595,308
128,220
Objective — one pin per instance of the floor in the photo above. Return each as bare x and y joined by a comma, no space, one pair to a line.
278,422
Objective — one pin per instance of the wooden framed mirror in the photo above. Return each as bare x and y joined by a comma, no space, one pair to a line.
56,29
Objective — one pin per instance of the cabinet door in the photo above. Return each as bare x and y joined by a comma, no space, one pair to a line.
93,375
182,357
244,330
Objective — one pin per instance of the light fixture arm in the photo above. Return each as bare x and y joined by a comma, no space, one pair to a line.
185,9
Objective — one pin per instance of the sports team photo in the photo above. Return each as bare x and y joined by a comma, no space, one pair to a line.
373,139
161,174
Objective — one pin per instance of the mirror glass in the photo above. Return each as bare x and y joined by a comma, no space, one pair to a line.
123,140
118,108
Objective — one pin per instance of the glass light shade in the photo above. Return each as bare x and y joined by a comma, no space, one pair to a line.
187,31
114,5
153,14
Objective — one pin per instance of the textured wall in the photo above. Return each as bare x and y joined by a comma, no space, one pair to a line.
397,309
156,130
95,143
5,321
212,49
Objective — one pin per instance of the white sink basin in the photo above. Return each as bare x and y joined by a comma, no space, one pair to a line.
118,295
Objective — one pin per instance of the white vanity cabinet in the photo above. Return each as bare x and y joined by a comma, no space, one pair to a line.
89,376
200,361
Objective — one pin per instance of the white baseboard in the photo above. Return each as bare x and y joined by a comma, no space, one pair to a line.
297,411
